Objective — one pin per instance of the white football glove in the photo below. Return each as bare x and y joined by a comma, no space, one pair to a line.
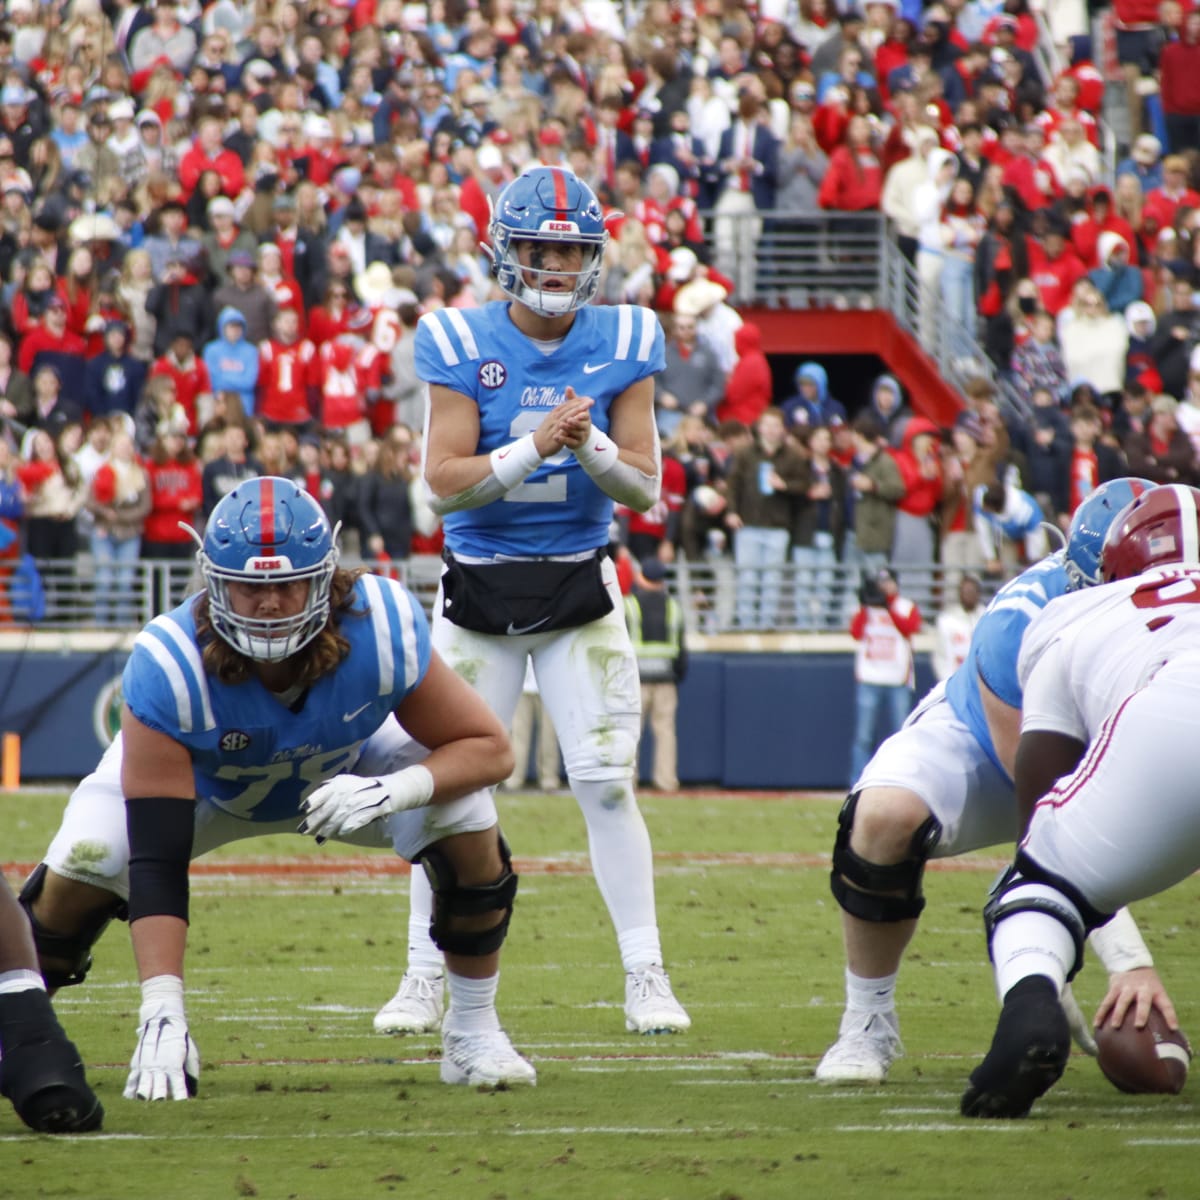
348,802
166,1063
1081,1028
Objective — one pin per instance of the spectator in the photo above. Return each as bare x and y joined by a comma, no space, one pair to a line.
914,539
954,626
54,494
854,181
350,375
1163,453
901,184
1054,266
172,242
133,291
176,493
114,377
1179,86
962,229
225,240
246,294
812,403
208,154
1144,163
1175,335
118,501
16,396
233,466
1094,342
883,626
231,360
1175,192
1093,461
180,306
655,623
764,477
692,380
818,526
887,405
383,506
287,378
1188,413
749,388
1048,456
52,408
1038,362
716,322
966,463
876,487
1118,282
929,201
165,37
51,344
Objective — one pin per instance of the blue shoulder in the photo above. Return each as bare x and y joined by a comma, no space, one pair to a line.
164,683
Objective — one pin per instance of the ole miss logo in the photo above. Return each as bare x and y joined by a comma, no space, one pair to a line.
492,374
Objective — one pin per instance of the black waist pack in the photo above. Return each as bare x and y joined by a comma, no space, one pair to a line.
525,597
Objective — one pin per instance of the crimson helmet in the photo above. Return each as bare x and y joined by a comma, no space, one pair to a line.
1159,528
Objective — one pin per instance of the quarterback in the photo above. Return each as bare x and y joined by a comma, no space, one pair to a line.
1111,691
541,414
287,695
942,786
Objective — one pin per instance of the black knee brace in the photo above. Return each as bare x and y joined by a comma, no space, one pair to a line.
1074,912
74,947
863,900
450,899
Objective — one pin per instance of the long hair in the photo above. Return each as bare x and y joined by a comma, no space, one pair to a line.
320,657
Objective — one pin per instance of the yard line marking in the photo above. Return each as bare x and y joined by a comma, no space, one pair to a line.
571,864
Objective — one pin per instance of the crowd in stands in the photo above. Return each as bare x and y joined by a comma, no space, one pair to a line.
220,222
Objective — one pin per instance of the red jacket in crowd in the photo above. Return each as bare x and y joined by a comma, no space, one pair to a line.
922,476
226,164
191,381
175,495
749,388
1055,277
853,182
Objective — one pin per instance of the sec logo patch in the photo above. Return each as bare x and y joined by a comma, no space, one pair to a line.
235,739
492,374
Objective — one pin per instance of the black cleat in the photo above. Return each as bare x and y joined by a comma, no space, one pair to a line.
41,1071
1028,1053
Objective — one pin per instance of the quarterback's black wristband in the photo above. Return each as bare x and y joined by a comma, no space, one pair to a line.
160,849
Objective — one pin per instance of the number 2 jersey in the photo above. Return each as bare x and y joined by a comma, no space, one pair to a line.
1086,654
254,757
480,353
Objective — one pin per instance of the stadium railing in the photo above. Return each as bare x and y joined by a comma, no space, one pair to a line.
806,599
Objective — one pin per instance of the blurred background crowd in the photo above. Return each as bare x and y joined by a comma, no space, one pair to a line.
220,223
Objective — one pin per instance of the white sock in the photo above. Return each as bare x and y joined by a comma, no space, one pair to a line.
870,995
1032,943
20,980
640,948
424,958
472,1004
619,844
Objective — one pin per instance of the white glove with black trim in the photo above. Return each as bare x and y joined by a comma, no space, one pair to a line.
348,802
166,1063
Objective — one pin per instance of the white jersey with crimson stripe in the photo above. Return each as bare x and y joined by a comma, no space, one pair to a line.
1087,651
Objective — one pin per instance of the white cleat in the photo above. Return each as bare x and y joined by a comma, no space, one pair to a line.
417,1007
863,1053
484,1060
650,1006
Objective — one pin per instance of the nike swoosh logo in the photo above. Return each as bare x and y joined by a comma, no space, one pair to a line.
504,453
588,369
351,715
514,631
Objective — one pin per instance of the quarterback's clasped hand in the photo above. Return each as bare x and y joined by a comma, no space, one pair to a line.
348,802
166,1063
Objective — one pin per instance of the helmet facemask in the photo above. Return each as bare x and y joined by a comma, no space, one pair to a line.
551,303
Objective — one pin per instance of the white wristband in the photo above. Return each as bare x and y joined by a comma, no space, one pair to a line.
514,463
598,455
1119,945
162,996
410,788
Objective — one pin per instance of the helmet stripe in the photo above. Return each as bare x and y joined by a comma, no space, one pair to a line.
266,516
1188,519
560,193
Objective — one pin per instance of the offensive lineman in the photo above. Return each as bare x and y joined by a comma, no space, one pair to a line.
245,710
541,414
1106,766
943,786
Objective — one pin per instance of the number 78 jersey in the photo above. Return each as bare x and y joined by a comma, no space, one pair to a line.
481,353
1087,652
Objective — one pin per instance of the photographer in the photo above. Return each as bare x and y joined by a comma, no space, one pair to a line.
883,626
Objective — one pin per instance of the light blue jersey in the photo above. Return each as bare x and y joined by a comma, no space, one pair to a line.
996,643
253,757
480,353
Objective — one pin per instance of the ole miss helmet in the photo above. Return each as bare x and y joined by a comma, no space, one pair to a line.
267,531
1160,528
548,204
1091,522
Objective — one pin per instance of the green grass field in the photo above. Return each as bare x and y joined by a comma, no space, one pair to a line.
299,1098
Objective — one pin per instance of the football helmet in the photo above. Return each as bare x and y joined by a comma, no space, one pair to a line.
1092,520
547,204
267,531
1160,527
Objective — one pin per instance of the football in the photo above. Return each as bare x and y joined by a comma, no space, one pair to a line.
1153,1059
